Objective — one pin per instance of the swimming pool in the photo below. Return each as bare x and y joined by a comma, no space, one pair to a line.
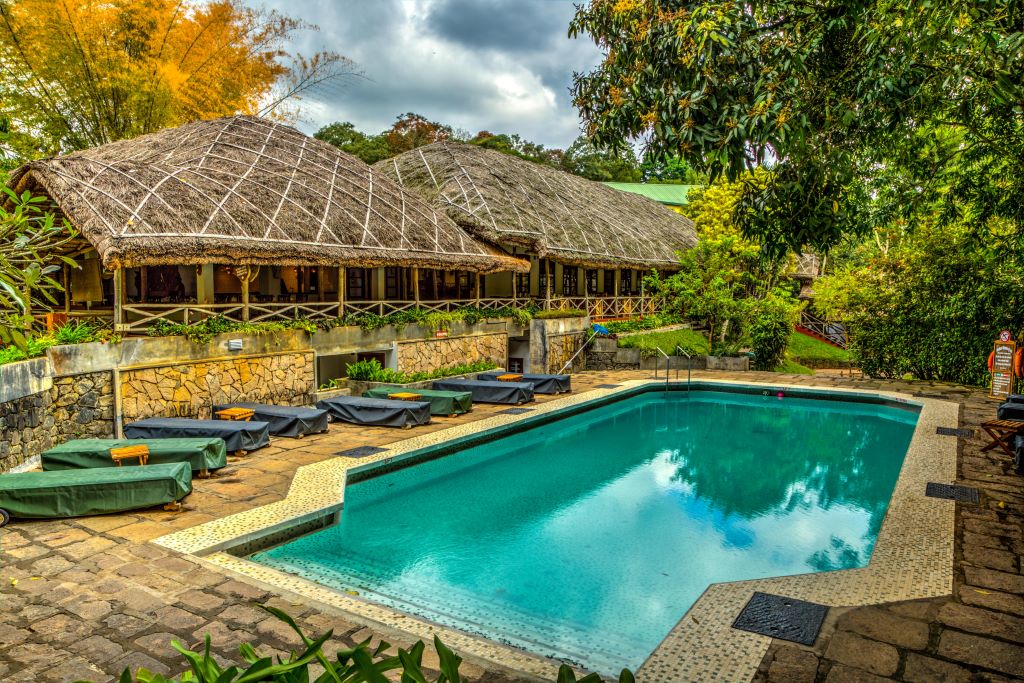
589,537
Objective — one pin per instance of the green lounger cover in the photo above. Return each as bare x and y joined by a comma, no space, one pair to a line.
73,493
201,454
441,402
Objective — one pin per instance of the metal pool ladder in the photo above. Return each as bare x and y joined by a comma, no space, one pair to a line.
689,367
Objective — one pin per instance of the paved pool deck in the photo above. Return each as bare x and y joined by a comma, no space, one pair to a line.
82,599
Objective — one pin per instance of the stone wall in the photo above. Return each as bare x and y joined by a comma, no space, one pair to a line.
427,355
561,348
77,407
191,389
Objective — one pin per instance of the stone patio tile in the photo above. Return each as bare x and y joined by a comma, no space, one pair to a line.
790,665
126,624
83,549
10,636
103,523
880,625
25,552
983,622
989,578
61,628
133,660
242,615
982,652
238,589
221,636
921,669
90,610
200,600
840,673
33,655
1003,602
861,653
97,649
71,669
139,532
177,619
992,558
62,537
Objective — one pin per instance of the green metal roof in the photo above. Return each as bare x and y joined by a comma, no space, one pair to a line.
673,195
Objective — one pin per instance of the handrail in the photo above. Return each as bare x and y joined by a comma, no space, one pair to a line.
689,367
658,349
578,352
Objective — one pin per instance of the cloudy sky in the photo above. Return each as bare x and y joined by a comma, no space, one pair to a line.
497,65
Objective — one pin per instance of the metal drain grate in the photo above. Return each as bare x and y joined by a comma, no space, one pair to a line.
780,617
608,386
515,411
953,431
361,451
965,494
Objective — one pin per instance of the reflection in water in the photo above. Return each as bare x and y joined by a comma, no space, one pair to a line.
589,537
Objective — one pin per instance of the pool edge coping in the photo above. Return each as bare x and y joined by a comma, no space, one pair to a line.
702,645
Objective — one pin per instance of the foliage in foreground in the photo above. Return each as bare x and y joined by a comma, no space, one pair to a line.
204,331
648,322
772,320
72,332
372,371
928,303
359,664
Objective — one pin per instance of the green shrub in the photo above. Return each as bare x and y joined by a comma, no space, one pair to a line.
204,331
71,332
436,320
649,322
772,320
359,664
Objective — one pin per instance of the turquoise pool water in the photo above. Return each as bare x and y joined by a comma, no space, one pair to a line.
589,537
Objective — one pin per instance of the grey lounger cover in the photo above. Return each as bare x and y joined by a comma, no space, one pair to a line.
542,384
285,420
1010,411
489,392
238,436
441,402
1018,453
381,412
72,493
200,454
1015,398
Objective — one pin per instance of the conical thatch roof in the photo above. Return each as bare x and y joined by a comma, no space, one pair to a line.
506,200
248,190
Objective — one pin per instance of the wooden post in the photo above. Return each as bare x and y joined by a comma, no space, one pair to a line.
245,296
143,283
118,299
618,286
416,286
547,284
433,280
342,281
67,292
478,290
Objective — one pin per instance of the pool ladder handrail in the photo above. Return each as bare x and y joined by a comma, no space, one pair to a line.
578,352
689,366
658,349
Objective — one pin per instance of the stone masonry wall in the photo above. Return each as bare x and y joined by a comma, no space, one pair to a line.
191,389
434,354
76,407
561,348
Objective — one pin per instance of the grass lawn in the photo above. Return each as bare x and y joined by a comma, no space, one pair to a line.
804,348
694,342
794,368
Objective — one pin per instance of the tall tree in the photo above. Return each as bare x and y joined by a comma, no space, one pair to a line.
587,160
79,73
344,136
925,95
412,130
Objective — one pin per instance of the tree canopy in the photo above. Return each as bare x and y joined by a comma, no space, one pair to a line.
80,73
866,111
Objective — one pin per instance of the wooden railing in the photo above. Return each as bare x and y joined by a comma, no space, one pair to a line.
834,332
139,316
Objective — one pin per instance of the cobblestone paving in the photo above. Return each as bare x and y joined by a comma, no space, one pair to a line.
85,598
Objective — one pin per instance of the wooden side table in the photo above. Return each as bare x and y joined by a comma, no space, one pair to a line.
1002,432
509,377
236,414
405,396
119,455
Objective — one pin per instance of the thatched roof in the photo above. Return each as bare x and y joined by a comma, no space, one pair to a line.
509,201
248,190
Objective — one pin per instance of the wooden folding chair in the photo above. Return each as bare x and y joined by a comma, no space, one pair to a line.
119,455
1002,433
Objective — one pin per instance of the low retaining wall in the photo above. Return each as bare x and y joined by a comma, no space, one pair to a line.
605,354
554,342
428,355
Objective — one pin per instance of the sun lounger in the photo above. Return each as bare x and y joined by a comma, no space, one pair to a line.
489,392
449,403
289,421
379,412
1010,411
238,436
96,491
202,455
542,384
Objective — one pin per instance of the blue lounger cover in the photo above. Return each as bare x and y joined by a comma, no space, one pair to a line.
1010,411
380,412
284,420
238,436
542,384
489,392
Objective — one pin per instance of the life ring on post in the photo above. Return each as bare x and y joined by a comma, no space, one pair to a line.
991,360
1018,363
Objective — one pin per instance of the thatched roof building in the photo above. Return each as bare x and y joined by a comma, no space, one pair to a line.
245,190
506,200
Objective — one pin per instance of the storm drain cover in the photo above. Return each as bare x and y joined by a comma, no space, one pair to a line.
608,386
964,494
780,617
952,431
361,451
515,411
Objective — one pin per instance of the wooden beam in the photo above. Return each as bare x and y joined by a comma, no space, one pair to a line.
245,296
416,286
548,276
118,299
67,290
478,290
342,281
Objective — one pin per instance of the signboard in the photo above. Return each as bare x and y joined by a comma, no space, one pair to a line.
441,334
1002,367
